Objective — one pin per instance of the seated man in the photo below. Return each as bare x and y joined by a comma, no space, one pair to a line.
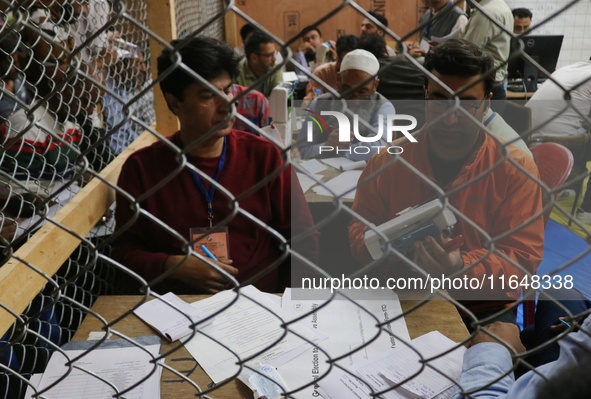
253,106
456,160
311,39
224,193
521,20
258,64
368,27
328,72
357,85
488,363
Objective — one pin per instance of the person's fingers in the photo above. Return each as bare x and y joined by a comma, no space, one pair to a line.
230,269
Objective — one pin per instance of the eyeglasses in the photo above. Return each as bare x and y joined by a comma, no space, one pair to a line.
437,105
268,55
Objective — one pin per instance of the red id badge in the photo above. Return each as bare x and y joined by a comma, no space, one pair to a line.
216,241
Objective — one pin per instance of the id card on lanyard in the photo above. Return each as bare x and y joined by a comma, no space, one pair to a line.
216,240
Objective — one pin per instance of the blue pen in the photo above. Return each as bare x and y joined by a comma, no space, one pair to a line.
208,253
565,323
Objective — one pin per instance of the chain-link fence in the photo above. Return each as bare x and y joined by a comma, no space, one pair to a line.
315,197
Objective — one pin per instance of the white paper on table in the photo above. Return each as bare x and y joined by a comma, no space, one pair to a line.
245,327
308,181
430,382
344,185
117,361
170,315
347,327
344,164
313,166
399,365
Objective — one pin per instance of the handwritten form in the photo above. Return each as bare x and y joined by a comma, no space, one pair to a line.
118,362
436,379
241,330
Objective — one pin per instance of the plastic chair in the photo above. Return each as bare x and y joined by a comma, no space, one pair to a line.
555,163
580,146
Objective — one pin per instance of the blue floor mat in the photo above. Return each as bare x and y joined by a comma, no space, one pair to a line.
568,252
565,253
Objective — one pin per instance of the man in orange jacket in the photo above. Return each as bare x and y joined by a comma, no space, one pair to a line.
491,186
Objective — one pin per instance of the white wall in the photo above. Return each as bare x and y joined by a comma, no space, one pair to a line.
573,23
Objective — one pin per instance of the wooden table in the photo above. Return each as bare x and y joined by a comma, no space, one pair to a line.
433,315
519,95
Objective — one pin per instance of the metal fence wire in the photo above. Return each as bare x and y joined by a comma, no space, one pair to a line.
77,90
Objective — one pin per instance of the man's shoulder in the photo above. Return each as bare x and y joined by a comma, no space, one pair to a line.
253,142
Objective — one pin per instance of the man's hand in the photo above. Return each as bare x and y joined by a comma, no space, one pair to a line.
201,275
306,47
432,258
506,334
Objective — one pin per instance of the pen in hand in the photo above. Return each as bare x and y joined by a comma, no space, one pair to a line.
208,253
567,325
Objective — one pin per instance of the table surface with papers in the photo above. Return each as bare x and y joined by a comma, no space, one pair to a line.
327,173
431,315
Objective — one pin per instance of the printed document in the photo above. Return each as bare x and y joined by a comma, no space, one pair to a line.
245,325
120,363
430,373
344,185
349,327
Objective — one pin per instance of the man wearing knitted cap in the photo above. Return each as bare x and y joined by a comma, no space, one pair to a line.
357,96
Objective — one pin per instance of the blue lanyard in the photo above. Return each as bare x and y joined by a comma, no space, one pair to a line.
490,118
208,196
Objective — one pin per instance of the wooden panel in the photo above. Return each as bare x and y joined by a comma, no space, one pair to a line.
162,22
288,18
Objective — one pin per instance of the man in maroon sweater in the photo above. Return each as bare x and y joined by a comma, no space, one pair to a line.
233,181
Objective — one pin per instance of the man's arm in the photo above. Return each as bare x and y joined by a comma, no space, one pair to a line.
488,365
524,240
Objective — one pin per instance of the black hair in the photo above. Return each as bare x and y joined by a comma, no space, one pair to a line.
383,20
522,13
246,30
206,56
374,43
253,43
309,29
458,57
346,43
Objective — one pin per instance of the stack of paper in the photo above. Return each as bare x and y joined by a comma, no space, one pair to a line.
350,328
170,315
117,365
344,164
247,324
344,185
421,368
